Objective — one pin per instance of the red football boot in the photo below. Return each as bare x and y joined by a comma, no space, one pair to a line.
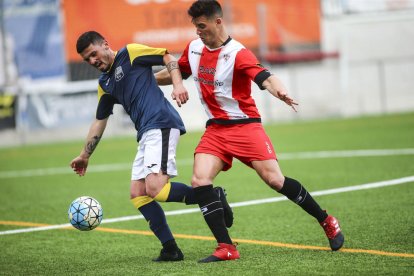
332,230
224,252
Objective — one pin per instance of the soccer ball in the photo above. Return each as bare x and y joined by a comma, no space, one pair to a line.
85,213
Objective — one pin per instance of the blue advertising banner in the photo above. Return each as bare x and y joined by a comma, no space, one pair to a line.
54,111
37,38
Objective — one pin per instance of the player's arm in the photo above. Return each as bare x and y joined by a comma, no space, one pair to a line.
96,130
163,77
277,89
179,94
247,62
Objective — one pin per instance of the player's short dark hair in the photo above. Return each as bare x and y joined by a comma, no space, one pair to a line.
208,8
88,38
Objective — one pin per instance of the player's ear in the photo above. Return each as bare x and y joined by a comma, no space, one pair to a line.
219,20
105,44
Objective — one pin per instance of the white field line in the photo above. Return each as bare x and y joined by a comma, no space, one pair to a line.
188,162
233,205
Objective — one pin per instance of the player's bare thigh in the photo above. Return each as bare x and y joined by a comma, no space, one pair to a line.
151,186
137,188
205,169
154,182
270,172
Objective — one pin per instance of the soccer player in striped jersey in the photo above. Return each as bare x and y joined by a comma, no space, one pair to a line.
223,69
127,79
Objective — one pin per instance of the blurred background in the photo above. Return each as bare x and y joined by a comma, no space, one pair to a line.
338,58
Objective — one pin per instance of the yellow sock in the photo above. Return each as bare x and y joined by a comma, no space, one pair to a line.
163,194
140,201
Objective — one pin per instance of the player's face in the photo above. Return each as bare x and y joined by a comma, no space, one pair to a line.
98,55
208,30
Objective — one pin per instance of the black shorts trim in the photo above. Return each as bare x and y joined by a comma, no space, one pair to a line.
165,144
233,122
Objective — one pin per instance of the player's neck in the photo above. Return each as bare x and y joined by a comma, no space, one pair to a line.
113,54
220,41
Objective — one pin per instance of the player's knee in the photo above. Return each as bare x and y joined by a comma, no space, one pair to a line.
136,192
197,181
153,188
137,188
153,191
133,195
154,184
276,182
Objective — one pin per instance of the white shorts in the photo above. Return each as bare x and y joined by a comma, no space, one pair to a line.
156,153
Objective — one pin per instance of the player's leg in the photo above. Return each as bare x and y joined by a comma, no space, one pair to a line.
160,165
161,189
179,192
206,167
252,145
150,209
271,173
155,216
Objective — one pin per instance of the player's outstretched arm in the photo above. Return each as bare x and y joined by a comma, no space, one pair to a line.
277,89
179,94
80,163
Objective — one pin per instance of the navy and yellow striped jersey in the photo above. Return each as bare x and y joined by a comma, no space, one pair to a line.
131,83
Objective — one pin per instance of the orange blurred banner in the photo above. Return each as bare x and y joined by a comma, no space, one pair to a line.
279,24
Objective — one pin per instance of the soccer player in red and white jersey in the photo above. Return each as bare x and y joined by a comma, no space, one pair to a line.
222,69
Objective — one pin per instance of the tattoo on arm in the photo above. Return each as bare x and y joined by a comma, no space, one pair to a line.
171,66
91,145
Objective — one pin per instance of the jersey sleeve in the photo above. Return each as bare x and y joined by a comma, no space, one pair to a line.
145,55
105,104
184,64
248,64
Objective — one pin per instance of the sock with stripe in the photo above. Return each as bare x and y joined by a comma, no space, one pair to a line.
213,213
293,190
155,216
176,192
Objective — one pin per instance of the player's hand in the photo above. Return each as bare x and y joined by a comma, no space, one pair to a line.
79,165
288,100
180,95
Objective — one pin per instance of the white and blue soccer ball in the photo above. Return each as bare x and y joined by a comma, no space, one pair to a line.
85,213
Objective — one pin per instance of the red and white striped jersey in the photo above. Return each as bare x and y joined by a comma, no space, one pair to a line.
223,78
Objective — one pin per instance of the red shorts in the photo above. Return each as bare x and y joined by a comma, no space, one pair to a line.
246,142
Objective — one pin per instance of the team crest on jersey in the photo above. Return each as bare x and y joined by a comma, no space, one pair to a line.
226,57
119,74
